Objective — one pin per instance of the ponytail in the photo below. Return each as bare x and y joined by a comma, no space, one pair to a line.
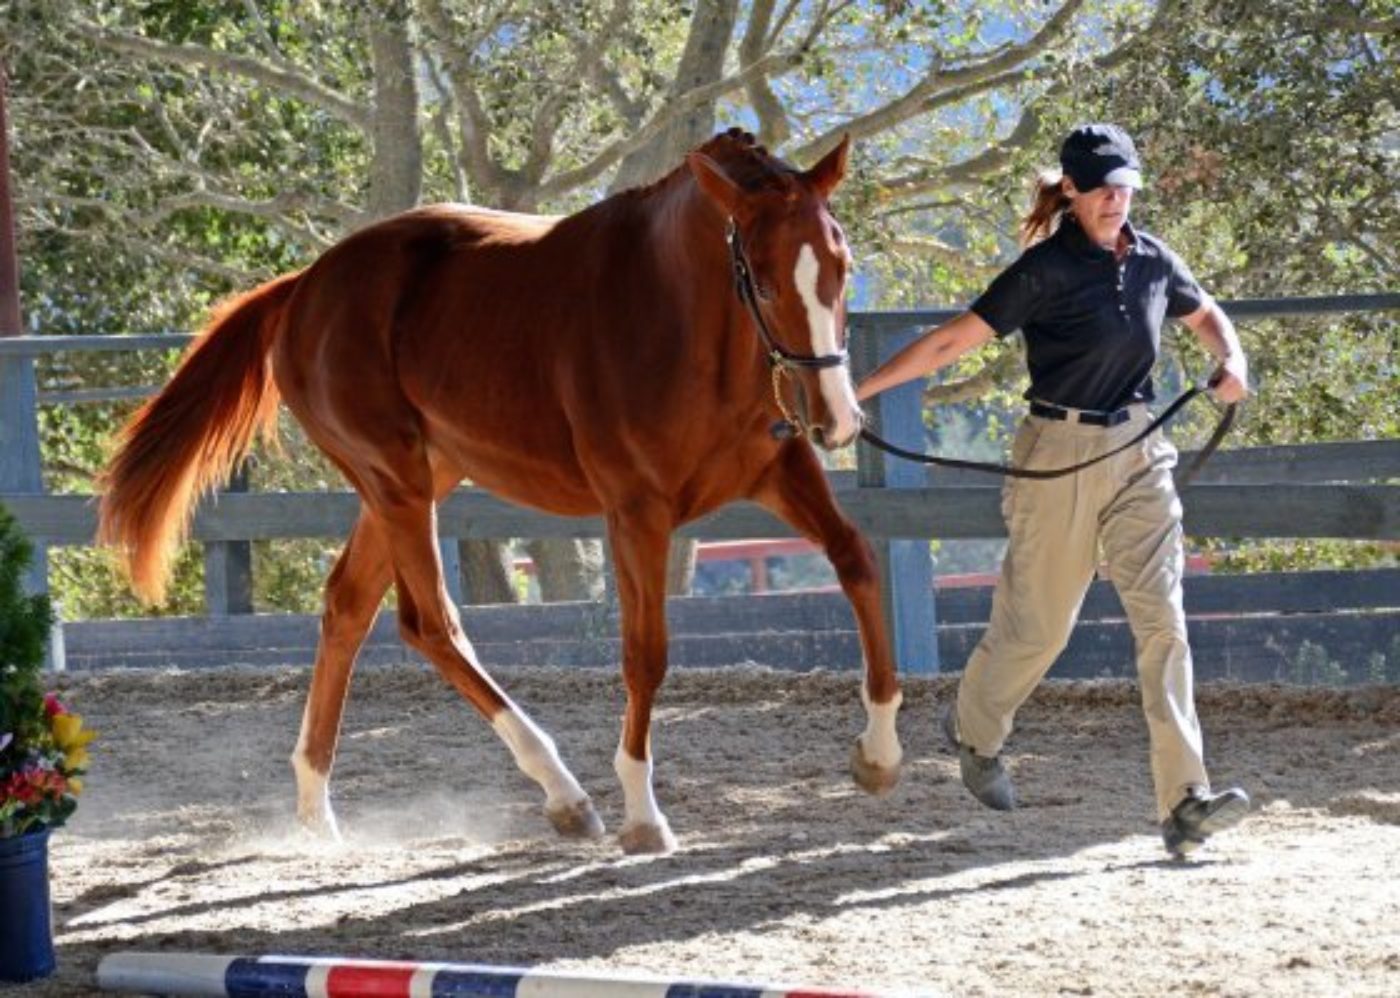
1048,205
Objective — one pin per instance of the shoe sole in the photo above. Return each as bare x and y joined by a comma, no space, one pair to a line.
1228,815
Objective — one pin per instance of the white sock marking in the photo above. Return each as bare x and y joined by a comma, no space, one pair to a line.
635,776
537,757
881,740
313,788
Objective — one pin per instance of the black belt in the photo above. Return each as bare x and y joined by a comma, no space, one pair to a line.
1092,417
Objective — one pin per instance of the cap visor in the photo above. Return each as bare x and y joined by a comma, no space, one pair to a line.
1124,176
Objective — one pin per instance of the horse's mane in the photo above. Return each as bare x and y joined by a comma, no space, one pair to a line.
747,163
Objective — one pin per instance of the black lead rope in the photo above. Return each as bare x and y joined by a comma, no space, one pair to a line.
780,359
1227,419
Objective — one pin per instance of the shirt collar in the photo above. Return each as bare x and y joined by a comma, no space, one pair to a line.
1075,239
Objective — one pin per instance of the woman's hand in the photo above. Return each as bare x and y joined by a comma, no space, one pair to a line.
1230,382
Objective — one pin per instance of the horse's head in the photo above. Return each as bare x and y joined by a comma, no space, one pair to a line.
795,255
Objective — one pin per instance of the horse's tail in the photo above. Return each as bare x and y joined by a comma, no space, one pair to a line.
190,437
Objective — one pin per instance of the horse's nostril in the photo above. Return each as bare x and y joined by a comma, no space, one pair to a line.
818,436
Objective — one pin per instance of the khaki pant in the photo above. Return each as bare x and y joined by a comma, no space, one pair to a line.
1128,504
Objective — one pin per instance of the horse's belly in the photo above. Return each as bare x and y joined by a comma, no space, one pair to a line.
528,467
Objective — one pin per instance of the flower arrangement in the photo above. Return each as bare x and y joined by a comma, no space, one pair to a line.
42,759
43,744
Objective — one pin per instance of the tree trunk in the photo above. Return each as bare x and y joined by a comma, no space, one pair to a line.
396,170
567,569
487,573
701,63
680,569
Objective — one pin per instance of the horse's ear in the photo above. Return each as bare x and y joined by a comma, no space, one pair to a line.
830,169
715,182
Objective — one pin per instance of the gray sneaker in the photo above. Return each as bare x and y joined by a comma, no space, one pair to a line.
985,778
1200,816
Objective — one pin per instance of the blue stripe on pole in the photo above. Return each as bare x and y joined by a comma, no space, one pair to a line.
451,983
712,991
247,978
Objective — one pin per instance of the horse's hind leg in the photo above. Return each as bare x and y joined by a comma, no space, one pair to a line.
428,622
353,591
795,488
640,538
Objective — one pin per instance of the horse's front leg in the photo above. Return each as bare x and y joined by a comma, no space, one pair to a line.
640,539
795,488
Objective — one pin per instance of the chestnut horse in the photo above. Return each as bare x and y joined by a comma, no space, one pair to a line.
600,363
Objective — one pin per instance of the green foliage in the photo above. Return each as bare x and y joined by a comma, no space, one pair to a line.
40,756
25,619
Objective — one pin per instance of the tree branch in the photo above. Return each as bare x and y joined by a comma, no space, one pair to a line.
671,111
944,86
295,83
773,127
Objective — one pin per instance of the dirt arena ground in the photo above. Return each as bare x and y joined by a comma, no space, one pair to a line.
786,872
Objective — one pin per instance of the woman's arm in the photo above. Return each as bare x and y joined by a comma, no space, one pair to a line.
935,349
1217,334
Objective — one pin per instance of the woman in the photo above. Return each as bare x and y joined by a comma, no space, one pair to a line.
1090,294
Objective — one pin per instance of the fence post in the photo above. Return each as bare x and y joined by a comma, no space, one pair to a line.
906,568
451,568
20,467
228,566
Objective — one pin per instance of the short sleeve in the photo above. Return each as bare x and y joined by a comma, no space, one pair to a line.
1011,300
1184,295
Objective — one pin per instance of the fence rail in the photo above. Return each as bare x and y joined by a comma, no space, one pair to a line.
1339,490
1260,510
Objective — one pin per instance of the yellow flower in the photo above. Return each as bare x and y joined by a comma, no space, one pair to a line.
68,732
75,785
76,758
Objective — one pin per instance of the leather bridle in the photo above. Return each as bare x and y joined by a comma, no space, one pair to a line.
778,355
781,361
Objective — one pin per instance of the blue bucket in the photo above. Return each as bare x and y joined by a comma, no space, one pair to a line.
26,917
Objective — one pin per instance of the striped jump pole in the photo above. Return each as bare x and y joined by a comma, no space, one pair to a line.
334,977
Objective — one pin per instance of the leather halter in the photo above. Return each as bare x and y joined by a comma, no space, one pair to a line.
778,355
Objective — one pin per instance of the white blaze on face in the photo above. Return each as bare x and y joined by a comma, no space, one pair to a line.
836,384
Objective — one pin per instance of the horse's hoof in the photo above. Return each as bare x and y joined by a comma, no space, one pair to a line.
319,824
655,840
869,776
577,820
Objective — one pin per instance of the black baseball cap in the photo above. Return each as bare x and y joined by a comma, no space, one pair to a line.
1098,154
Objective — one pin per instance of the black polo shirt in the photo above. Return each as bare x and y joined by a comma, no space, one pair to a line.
1093,323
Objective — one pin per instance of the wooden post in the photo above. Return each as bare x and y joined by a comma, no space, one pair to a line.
20,467
20,470
228,566
451,568
906,568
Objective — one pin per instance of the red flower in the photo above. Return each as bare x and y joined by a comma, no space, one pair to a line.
30,786
53,706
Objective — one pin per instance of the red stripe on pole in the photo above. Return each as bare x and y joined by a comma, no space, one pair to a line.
370,982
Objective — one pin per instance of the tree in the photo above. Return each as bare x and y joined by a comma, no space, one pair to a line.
211,144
